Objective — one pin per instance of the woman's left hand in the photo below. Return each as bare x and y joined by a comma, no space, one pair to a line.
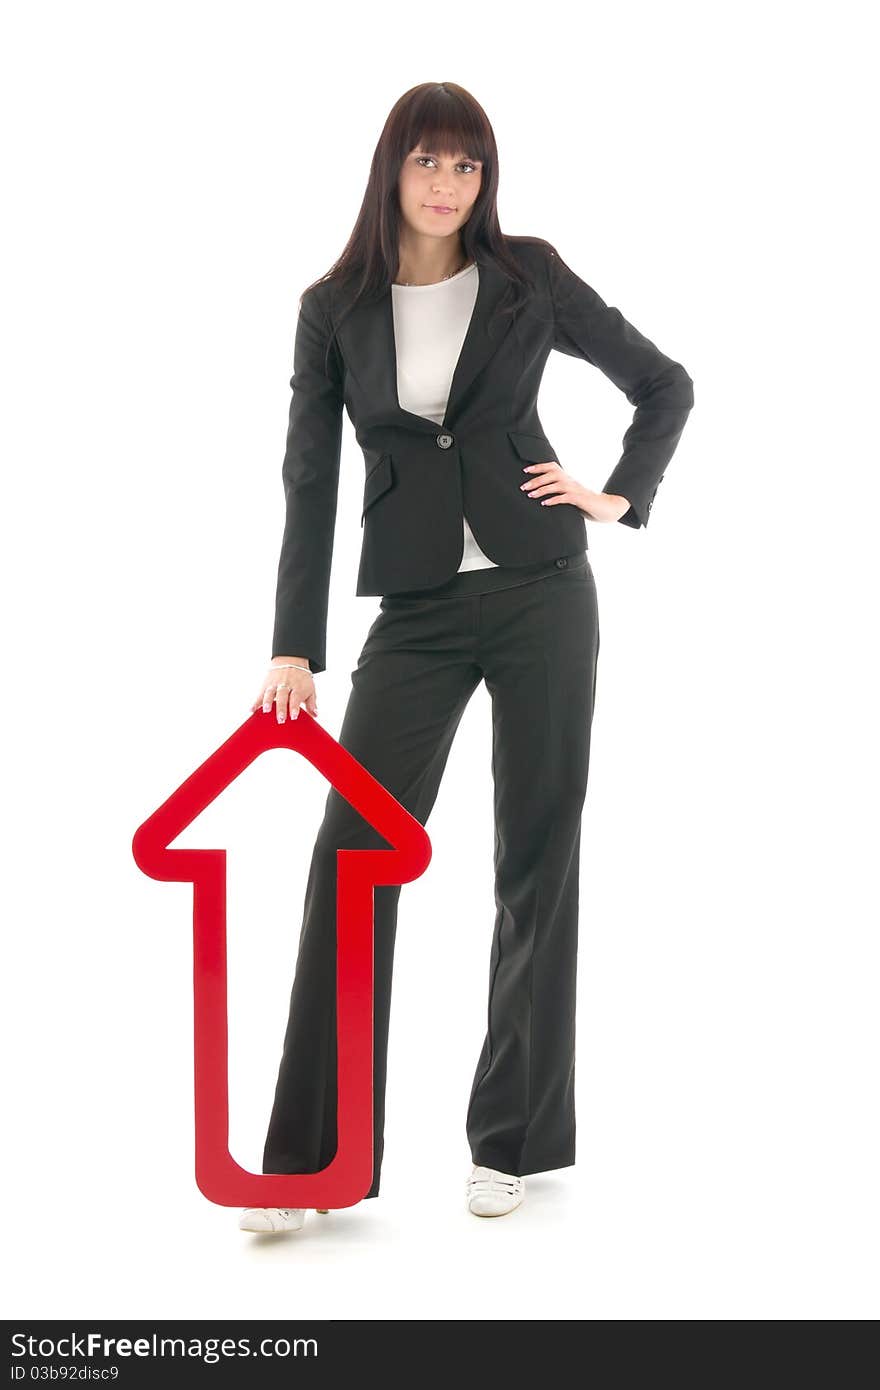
553,485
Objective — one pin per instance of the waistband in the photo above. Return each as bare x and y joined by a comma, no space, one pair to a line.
483,581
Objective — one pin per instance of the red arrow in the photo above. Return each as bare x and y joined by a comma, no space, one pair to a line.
350,1174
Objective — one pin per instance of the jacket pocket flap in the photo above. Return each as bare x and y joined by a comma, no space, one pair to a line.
378,480
533,447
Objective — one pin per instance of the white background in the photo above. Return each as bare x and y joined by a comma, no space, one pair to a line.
175,175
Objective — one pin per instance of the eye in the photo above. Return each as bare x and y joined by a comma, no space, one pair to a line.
465,163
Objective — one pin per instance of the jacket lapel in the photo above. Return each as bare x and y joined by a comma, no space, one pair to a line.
369,331
478,347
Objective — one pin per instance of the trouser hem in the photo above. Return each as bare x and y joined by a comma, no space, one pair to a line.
485,1158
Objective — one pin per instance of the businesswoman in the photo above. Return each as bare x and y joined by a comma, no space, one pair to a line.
432,330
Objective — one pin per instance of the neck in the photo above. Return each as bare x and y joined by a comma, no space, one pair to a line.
425,260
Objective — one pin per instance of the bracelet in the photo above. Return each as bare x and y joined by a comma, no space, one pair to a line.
290,666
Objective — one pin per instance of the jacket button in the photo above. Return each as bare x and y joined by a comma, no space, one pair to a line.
445,440
561,564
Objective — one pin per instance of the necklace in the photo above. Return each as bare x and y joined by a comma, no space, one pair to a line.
408,284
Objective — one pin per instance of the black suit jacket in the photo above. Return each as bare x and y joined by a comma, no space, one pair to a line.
421,478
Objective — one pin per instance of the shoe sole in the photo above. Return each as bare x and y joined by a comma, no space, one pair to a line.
262,1231
509,1212
291,1231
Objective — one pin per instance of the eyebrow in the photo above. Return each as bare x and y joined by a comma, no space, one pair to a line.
466,158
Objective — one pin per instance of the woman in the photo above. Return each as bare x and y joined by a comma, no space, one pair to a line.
432,330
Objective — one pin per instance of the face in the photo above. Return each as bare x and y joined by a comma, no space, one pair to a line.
438,191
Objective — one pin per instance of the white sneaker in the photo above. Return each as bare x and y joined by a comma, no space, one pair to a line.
272,1219
491,1193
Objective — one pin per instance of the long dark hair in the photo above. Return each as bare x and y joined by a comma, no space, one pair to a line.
438,116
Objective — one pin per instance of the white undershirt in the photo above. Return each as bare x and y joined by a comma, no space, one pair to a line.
430,324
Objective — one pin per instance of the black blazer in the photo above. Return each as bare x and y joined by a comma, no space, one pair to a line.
421,478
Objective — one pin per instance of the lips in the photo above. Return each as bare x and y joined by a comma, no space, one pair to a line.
438,207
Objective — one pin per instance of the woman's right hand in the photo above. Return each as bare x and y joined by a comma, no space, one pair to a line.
287,688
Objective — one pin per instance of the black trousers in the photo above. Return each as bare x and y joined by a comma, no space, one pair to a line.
536,646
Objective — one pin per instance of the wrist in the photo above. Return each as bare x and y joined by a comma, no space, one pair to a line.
623,503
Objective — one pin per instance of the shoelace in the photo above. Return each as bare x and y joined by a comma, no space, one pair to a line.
494,1182
282,1211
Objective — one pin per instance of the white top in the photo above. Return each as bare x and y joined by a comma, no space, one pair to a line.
430,324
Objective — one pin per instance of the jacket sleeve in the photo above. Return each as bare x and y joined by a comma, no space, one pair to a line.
659,388
310,474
